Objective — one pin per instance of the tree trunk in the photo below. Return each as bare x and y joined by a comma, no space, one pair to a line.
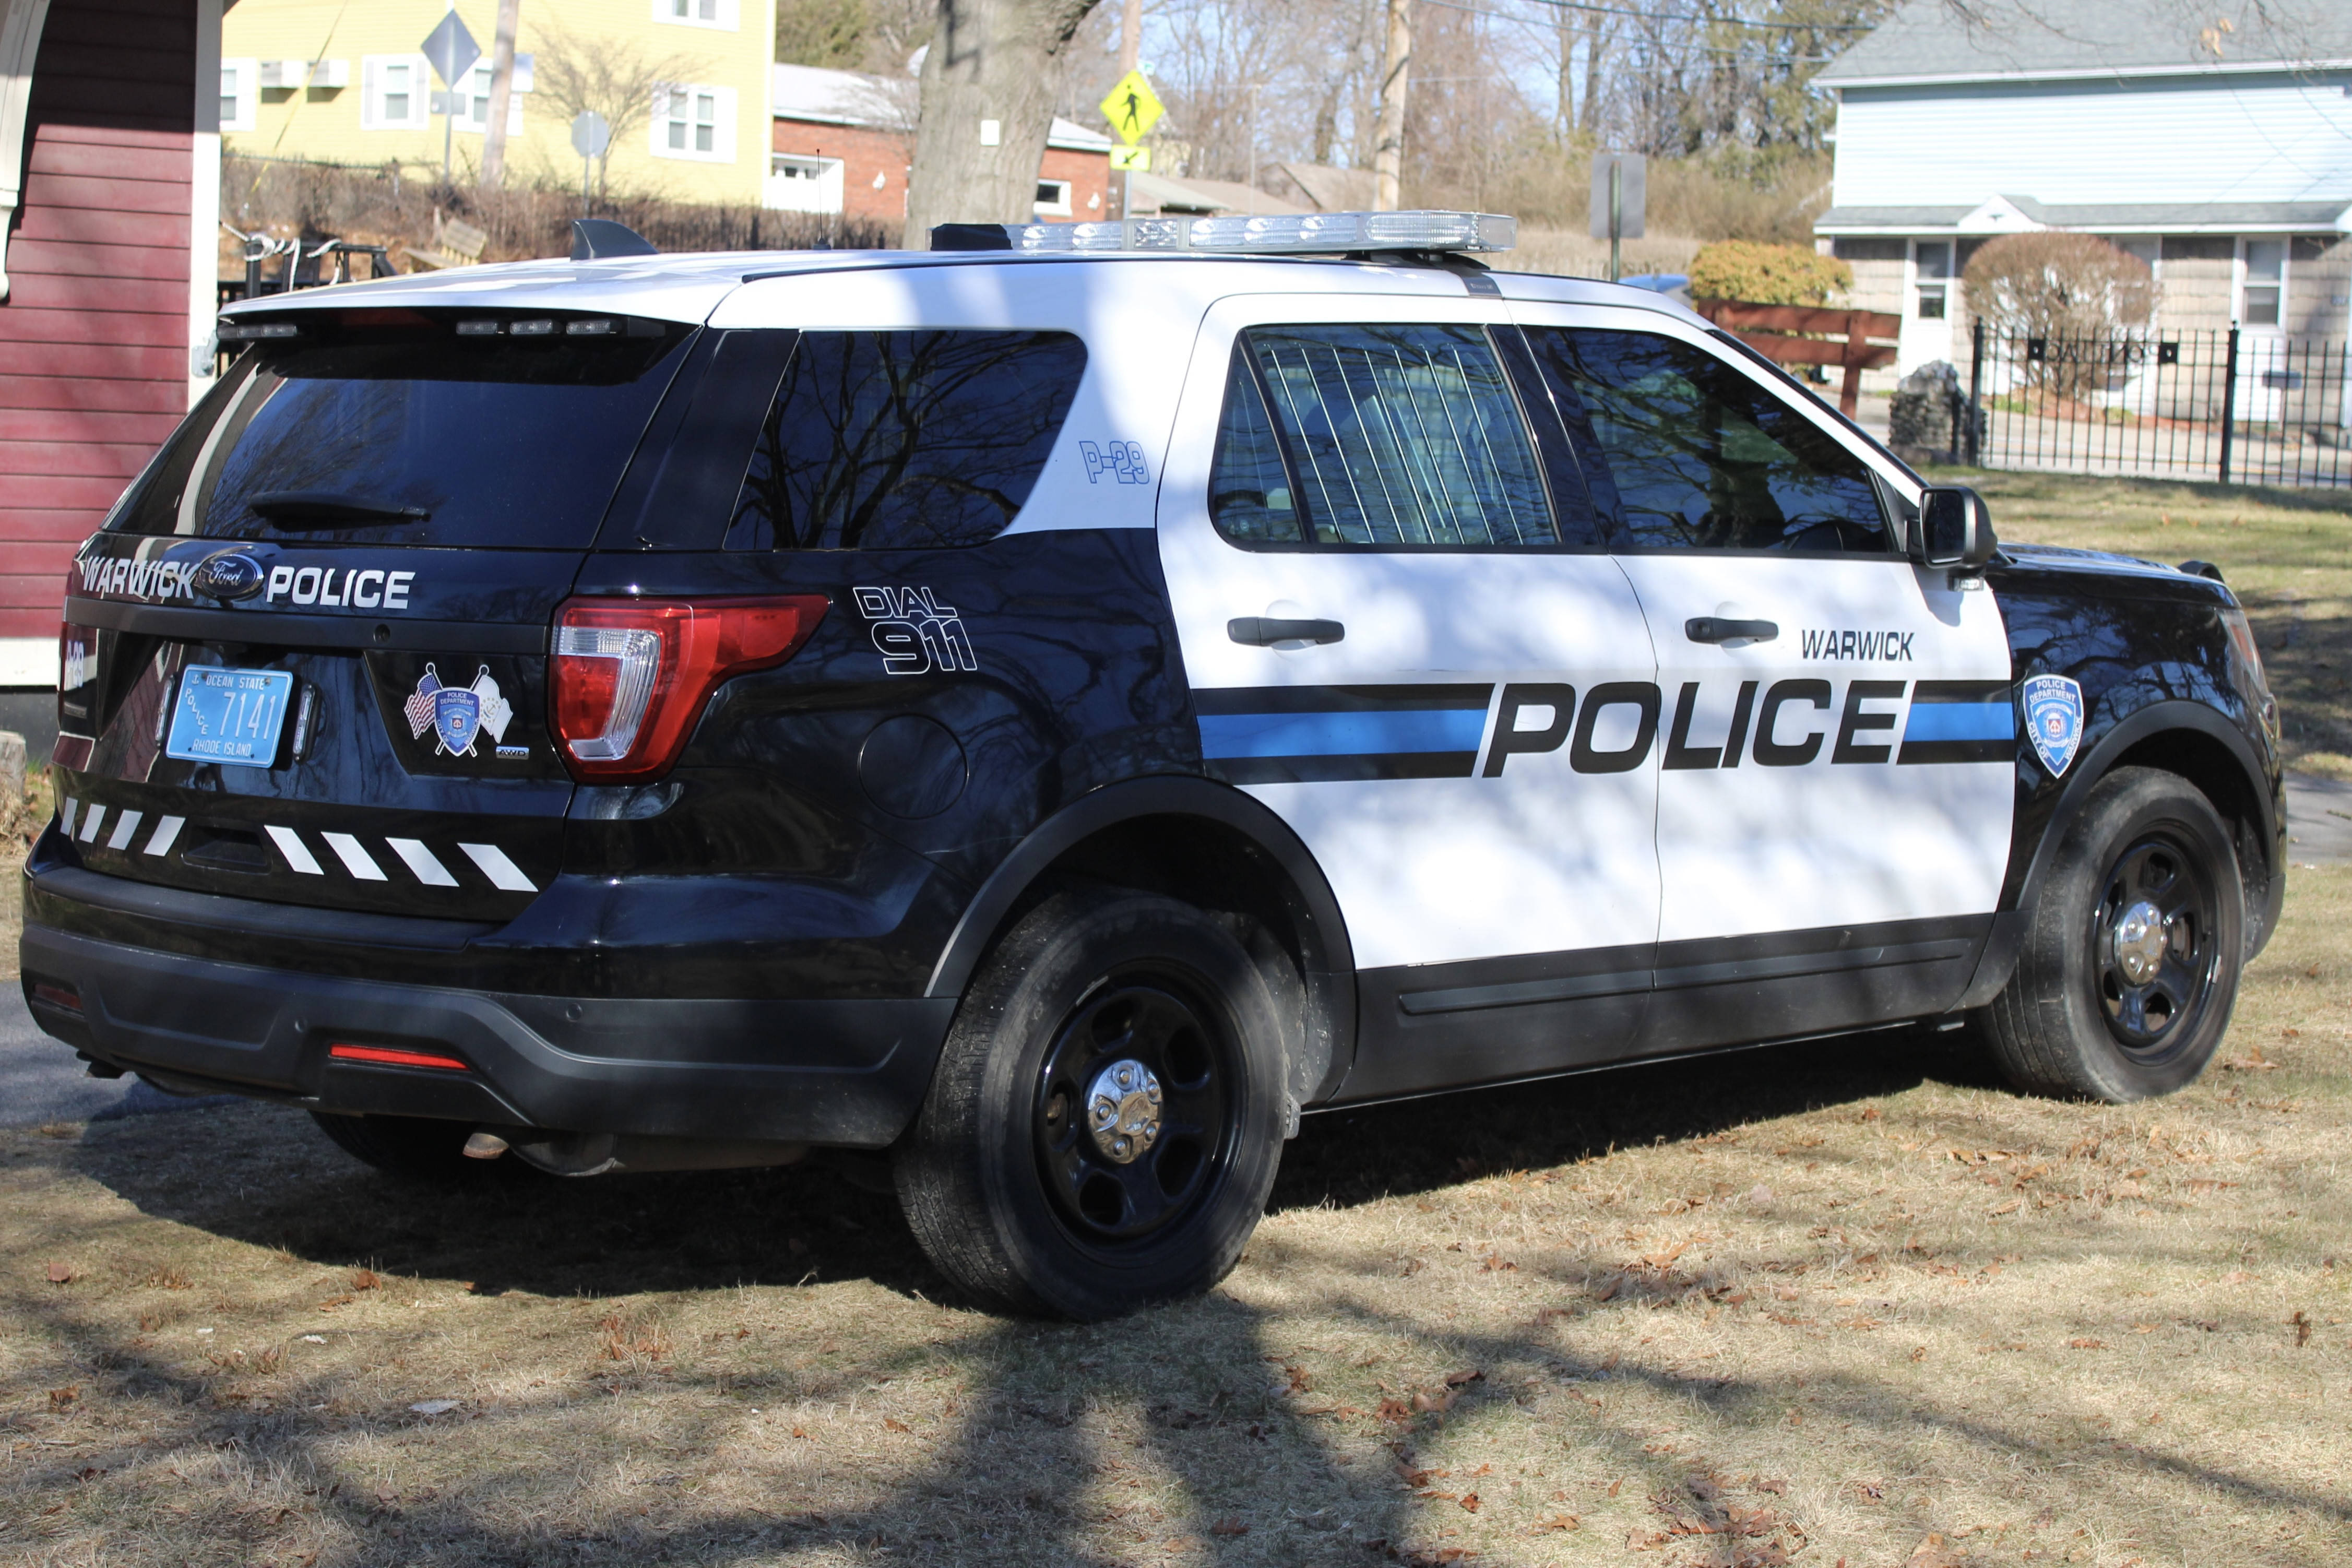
494,135
990,61
1396,75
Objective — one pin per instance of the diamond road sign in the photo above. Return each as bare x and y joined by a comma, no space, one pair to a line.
450,50
1132,108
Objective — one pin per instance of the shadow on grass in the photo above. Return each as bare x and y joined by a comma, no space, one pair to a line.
1030,1468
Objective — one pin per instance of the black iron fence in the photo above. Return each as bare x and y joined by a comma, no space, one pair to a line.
2229,405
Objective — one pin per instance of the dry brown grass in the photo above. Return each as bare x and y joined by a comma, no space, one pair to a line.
1841,1303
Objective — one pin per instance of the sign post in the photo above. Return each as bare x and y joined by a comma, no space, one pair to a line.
590,134
1132,109
451,51
1618,191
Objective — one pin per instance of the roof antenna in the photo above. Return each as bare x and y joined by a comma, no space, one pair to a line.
599,238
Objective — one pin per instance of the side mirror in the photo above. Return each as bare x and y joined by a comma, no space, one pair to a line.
1954,530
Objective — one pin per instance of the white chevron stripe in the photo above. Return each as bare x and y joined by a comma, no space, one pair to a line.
90,821
503,873
356,860
420,861
66,816
124,827
298,853
166,831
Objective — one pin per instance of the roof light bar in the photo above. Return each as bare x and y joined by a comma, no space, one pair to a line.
1288,234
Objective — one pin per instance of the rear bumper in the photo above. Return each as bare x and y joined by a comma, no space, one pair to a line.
849,1073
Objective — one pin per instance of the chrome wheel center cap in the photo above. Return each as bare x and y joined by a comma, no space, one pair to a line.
2140,938
1123,1110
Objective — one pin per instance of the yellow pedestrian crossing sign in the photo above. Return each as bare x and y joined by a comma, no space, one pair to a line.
1138,159
1132,108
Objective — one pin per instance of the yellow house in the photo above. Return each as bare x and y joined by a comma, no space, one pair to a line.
685,83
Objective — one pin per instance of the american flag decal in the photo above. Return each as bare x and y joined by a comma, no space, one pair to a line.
419,706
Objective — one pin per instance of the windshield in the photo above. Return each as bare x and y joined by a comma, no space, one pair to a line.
479,432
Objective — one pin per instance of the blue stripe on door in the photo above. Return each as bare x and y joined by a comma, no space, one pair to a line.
1962,721
1341,735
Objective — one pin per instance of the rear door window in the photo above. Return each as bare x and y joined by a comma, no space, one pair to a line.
905,440
511,434
1397,435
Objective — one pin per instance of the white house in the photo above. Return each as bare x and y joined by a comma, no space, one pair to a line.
2219,152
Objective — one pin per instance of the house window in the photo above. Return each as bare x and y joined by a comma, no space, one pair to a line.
474,102
396,93
238,93
804,185
1053,198
1933,268
722,15
695,122
2266,285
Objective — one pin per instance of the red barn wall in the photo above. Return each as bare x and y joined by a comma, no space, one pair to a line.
94,332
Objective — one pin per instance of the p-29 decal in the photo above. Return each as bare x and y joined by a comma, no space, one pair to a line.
1305,734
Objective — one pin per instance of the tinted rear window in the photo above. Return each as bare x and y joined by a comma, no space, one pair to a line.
905,440
413,435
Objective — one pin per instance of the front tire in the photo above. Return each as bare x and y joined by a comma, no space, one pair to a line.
1106,1116
2126,983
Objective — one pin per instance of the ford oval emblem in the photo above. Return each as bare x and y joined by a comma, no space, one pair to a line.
230,574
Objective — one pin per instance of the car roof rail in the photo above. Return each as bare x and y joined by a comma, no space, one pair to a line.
599,238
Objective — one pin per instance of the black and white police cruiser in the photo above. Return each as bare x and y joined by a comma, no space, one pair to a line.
1057,706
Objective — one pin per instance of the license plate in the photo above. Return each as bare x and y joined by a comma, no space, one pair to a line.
230,716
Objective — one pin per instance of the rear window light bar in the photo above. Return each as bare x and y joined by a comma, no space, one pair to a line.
246,331
1280,235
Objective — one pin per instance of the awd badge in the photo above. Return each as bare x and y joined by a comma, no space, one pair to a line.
458,714
2053,718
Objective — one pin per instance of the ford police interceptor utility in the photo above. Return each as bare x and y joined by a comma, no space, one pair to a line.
1055,706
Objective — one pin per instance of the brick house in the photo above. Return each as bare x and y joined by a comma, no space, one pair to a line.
2223,160
110,173
842,142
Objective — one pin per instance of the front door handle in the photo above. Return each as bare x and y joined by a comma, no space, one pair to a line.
1715,629
1265,631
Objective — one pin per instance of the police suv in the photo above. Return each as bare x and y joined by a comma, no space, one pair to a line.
1057,706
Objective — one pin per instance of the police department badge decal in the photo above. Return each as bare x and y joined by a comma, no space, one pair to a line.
458,714
2053,718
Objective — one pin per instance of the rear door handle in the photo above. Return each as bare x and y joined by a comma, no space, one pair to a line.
1713,628
1263,631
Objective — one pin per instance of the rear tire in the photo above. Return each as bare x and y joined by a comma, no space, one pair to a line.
1018,1177
2128,973
419,1148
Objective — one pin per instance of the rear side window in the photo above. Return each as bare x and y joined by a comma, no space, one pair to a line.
1249,493
1396,435
409,433
1702,457
905,440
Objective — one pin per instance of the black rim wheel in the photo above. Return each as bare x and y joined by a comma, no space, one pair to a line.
2153,947
1134,1108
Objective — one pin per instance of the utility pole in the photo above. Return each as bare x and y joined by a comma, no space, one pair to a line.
1130,56
1388,150
502,55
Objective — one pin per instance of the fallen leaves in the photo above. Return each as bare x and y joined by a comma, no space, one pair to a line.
2086,1344
66,1397
2301,1323
61,1274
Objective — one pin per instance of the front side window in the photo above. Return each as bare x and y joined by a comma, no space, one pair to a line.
1249,492
1700,457
905,440
1396,435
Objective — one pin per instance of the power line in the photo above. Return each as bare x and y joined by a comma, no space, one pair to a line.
1685,16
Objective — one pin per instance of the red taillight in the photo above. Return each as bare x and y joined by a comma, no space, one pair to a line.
388,1057
62,997
631,676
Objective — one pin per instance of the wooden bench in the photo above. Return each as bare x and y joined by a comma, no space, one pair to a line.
1840,337
456,242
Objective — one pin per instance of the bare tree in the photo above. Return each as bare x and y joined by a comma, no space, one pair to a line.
989,80
575,77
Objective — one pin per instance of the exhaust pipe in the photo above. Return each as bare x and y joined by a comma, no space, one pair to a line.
617,1153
